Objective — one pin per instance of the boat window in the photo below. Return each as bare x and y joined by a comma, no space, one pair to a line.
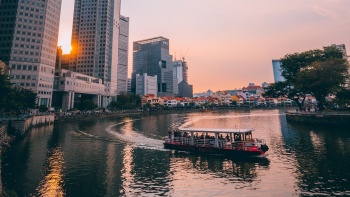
248,136
237,137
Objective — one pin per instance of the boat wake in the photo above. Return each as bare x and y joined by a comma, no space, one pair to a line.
128,135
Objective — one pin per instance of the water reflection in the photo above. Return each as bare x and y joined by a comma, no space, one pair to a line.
52,183
322,159
125,157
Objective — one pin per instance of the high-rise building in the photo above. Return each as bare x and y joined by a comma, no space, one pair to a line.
95,42
123,44
28,41
277,73
180,73
146,84
152,56
342,48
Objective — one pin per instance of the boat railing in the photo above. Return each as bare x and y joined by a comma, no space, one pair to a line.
222,143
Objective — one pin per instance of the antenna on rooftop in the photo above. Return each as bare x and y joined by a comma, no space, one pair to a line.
183,57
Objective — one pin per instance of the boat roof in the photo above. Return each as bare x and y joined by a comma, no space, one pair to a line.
216,130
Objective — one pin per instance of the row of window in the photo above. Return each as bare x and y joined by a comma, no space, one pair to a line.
27,77
23,67
25,59
79,85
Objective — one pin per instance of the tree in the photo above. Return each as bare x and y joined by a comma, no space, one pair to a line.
87,105
323,78
15,98
126,101
299,69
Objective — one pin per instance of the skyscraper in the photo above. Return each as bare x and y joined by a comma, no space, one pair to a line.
28,41
152,56
95,41
181,87
123,55
276,66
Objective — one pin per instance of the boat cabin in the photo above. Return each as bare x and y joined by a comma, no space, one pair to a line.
218,138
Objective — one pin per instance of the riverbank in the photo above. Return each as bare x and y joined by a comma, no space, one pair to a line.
71,117
339,118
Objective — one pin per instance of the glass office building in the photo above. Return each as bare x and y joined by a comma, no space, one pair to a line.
152,56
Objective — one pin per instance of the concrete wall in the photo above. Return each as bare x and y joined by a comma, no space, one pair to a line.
328,119
21,126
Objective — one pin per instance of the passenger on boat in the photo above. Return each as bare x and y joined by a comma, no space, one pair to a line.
227,137
202,136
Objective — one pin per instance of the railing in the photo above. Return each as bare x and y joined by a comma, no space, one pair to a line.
222,143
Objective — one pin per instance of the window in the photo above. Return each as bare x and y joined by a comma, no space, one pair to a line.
163,64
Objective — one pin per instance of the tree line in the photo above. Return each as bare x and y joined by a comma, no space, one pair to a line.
315,72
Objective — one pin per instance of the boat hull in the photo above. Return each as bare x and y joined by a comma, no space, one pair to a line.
215,151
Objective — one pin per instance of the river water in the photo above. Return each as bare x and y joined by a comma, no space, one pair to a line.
124,156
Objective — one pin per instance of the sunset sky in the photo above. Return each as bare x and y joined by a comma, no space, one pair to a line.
230,42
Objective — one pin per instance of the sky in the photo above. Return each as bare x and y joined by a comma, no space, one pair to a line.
230,43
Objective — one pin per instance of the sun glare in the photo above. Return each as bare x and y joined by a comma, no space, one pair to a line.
66,49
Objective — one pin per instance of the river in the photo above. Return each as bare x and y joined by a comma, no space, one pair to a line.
124,156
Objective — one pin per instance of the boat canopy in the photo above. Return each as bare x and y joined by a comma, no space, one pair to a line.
216,130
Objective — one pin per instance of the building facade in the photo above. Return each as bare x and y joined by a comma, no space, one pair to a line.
71,88
152,56
342,48
122,71
95,42
146,84
277,73
28,41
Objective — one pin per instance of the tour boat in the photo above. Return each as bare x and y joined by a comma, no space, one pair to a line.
227,142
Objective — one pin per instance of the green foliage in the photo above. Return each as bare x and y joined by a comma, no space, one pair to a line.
87,105
148,105
126,101
316,72
323,78
14,98
343,96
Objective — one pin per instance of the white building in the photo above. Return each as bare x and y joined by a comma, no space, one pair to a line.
69,84
146,84
342,48
29,34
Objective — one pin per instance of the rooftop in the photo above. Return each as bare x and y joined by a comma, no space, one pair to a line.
215,130
151,40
